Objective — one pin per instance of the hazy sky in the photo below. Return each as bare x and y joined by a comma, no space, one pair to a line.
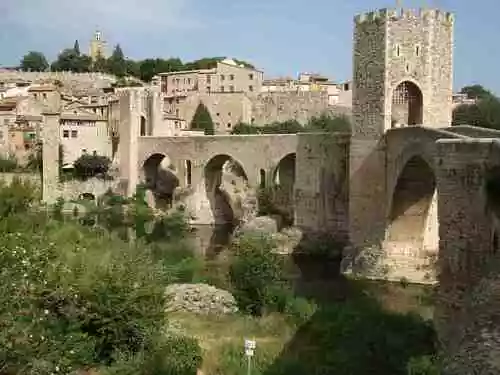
282,37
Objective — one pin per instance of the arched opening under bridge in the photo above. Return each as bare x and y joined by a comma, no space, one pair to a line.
412,237
282,190
225,185
160,179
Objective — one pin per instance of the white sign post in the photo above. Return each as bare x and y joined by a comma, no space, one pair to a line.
249,352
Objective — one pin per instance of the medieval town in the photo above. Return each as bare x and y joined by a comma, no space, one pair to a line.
202,217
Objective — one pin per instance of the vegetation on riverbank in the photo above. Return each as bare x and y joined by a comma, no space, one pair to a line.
77,294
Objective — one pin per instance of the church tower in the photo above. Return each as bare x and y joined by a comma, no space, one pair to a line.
97,46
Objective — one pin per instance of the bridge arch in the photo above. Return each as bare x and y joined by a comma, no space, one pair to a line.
411,237
407,104
225,180
160,178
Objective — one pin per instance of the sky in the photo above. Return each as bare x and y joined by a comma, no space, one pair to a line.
281,37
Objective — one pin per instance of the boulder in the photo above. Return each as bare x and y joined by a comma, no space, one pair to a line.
260,224
200,299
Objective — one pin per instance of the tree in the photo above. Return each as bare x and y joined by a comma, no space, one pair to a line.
69,60
34,61
255,271
76,48
484,113
202,120
117,64
87,166
476,92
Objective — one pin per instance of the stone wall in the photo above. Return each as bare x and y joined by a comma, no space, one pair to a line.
283,106
466,314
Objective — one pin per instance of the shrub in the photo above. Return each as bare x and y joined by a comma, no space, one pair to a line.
72,298
16,197
172,355
254,271
8,164
87,166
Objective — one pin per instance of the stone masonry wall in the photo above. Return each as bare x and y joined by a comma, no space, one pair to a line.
466,315
283,106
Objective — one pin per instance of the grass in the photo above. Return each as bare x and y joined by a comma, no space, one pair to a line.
219,334
340,329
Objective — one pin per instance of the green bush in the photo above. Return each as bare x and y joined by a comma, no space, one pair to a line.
424,365
73,297
255,270
87,166
8,164
17,196
171,355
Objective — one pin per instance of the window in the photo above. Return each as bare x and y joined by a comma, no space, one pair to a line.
65,133
189,81
84,150
229,125
222,77
417,50
217,114
1,134
397,50
177,100
74,133
44,95
229,113
231,88
209,88
177,112
250,88
250,76
231,77
222,89
209,79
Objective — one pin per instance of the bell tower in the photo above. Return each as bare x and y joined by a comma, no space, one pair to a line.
97,46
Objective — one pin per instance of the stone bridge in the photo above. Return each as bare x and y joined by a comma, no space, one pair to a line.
311,166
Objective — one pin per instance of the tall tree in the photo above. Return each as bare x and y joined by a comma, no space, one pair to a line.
202,120
117,64
34,61
76,48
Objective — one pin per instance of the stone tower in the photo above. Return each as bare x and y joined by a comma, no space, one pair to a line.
97,46
402,76
402,69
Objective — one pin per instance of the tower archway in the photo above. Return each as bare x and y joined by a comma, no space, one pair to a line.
407,104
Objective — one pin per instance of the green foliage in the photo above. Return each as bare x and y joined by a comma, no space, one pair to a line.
16,197
485,113
255,271
71,59
87,166
116,63
34,61
424,365
202,120
322,123
476,92
327,123
173,355
8,164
